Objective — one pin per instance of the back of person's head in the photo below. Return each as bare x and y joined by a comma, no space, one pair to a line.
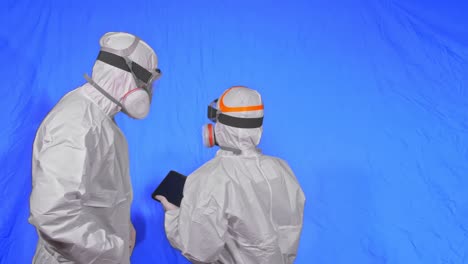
239,119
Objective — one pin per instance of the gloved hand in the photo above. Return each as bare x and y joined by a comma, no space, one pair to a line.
166,204
132,238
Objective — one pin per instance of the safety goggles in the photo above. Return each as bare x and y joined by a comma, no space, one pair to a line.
213,111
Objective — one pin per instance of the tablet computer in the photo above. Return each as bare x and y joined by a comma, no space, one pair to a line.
171,187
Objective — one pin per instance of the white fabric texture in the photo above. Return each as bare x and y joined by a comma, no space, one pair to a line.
245,208
81,193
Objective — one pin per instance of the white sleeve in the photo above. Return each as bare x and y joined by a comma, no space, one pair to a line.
198,229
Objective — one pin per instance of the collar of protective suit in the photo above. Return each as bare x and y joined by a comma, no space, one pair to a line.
245,140
245,153
114,81
108,107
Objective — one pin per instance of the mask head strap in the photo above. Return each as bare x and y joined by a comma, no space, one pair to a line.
106,94
233,150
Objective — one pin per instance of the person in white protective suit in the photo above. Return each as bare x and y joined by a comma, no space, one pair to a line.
81,188
241,206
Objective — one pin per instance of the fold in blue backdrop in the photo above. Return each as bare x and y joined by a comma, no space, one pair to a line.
367,101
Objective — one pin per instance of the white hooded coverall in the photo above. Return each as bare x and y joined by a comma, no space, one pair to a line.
81,195
245,208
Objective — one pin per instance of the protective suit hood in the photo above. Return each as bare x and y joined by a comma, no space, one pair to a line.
117,82
233,102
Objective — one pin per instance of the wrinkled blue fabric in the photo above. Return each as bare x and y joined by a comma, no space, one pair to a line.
366,100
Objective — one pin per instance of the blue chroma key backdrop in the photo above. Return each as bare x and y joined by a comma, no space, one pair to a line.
366,100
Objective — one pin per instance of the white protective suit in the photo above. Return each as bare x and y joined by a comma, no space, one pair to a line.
245,208
81,195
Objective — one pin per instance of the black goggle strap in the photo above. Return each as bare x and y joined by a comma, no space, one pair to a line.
127,65
240,122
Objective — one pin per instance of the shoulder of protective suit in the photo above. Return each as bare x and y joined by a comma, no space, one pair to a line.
71,118
278,162
209,177
207,170
275,159
284,166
